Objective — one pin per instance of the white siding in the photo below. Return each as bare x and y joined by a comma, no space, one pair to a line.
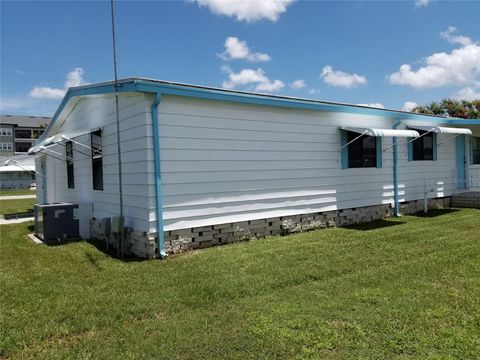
225,162
99,111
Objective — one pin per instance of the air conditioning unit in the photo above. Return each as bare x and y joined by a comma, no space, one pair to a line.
56,222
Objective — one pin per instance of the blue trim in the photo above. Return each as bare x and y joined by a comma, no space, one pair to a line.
470,149
460,162
410,149
344,152
151,86
395,172
158,176
434,147
379,151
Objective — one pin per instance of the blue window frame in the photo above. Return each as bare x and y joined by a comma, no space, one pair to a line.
361,152
424,147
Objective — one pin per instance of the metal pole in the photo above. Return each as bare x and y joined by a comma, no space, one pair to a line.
117,112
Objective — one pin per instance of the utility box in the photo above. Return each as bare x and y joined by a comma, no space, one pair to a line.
56,222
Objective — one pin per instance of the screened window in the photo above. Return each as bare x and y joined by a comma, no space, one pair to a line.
475,150
69,160
97,160
362,152
23,134
22,146
422,147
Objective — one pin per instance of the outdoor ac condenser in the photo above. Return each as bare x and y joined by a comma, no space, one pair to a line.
56,222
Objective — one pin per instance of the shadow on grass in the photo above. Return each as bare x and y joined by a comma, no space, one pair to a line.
435,212
63,242
101,246
373,225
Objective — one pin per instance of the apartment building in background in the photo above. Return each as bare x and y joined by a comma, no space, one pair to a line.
19,133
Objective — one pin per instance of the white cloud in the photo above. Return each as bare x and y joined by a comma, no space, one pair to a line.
247,10
421,3
467,93
73,78
409,106
340,78
45,92
313,91
459,67
254,79
455,39
374,105
298,84
236,49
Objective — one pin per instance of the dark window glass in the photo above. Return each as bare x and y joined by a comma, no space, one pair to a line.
97,161
423,147
23,134
22,146
69,159
476,150
362,152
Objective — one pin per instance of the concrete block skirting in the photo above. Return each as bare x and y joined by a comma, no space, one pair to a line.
144,245
467,200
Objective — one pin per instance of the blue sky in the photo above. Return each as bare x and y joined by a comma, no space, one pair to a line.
384,53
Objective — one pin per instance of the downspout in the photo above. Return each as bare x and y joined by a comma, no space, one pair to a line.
158,176
395,171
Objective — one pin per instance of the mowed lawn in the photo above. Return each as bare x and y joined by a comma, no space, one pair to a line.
16,206
11,192
406,288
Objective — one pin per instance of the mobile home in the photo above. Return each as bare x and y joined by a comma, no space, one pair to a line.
202,166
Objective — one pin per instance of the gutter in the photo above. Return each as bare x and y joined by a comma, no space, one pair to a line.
395,171
158,177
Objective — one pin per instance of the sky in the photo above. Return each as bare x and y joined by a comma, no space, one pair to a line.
392,54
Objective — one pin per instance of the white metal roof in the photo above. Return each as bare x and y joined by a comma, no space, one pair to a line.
382,132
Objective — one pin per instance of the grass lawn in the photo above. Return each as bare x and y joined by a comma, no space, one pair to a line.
11,192
408,288
14,206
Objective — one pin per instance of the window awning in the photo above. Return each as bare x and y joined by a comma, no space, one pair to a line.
382,132
58,138
443,130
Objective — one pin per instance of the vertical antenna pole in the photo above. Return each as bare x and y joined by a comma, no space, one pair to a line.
117,113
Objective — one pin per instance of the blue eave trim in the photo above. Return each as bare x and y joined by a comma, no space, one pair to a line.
245,98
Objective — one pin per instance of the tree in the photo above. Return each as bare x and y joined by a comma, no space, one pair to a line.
452,108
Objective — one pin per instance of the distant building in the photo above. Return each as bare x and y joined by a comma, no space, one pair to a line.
18,133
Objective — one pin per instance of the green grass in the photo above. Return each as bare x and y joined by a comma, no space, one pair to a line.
14,206
12,192
407,288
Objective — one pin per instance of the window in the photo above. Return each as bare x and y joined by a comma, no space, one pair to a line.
424,147
5,131
69,160
22,146
362,152
97,161
475,155
6,146
36,134
23,134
